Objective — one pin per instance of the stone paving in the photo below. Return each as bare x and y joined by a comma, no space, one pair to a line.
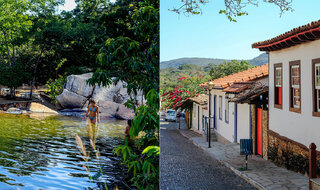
185,166
261,173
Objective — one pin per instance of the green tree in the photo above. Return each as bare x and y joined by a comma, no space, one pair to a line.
233,8
228,68
133,58
14,76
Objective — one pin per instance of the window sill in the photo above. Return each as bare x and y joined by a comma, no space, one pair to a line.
316,114
278,106
297,110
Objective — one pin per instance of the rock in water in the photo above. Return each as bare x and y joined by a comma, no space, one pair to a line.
70,99
108,93
124,113
78,84
108,108
110,99
39,108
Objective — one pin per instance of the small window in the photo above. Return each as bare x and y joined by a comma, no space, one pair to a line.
278,85
226,105
220,107
316,86
194,110
295,93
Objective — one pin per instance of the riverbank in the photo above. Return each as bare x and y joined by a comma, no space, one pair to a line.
42,153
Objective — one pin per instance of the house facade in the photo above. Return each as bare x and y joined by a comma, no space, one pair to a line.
256,95
199,109
232,121
294,94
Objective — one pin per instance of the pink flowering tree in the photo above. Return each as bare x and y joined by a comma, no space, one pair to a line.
177,98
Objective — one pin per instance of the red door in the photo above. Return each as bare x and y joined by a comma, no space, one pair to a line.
259,131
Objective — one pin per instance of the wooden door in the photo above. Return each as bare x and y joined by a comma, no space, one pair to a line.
259,131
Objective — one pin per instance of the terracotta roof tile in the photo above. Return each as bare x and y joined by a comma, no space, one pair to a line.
243,76
201,99
293,37
238,87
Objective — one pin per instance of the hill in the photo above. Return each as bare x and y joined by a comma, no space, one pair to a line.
175,63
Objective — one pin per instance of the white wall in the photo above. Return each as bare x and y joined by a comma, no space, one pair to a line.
195,118
303,128
243,121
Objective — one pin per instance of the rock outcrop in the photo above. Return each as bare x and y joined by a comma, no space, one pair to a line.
109,99
39,108
124,113
78,84
70,99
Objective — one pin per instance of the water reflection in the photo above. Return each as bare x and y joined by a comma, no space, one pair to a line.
42,153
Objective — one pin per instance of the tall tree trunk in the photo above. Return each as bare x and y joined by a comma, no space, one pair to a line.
14,55
34,74
8,52
13,52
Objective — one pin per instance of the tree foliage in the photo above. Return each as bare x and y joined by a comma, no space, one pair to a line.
233,8
228,68
13,76
189,87
133,58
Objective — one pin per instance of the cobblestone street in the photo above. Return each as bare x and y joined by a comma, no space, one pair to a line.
185,166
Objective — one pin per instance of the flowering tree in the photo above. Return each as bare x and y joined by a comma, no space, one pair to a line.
188,88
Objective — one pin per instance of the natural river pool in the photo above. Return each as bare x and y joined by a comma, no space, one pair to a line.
41,153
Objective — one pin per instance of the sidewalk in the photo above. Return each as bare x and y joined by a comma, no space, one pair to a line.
261,173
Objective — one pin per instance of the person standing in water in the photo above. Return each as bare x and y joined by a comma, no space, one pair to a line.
93,112
126,132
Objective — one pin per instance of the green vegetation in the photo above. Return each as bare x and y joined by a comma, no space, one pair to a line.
233,8
133,56
118,40
228,68
175,63
142,158
55,87
169,77
179,84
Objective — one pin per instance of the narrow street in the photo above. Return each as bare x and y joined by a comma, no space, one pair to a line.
185,166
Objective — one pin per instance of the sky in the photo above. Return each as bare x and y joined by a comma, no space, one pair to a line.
68,5
212,35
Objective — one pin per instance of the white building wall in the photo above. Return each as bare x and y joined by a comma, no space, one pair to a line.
195,118
222,127
301,127
226,129
243,122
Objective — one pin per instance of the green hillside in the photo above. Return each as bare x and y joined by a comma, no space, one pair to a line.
257,61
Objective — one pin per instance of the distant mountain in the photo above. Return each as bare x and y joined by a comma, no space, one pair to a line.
260,60
175,63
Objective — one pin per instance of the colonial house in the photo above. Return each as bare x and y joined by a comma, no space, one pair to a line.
232,120
294,94
199,109
256,95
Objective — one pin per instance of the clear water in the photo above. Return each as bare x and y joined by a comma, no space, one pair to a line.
39,152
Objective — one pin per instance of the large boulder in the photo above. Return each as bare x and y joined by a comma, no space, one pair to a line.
111,93
39,108
69,99
78,84
124,113
110,99
108,108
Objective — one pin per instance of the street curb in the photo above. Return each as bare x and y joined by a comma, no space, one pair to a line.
239,173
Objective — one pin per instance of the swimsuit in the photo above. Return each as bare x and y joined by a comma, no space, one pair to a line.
94,110
92,118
